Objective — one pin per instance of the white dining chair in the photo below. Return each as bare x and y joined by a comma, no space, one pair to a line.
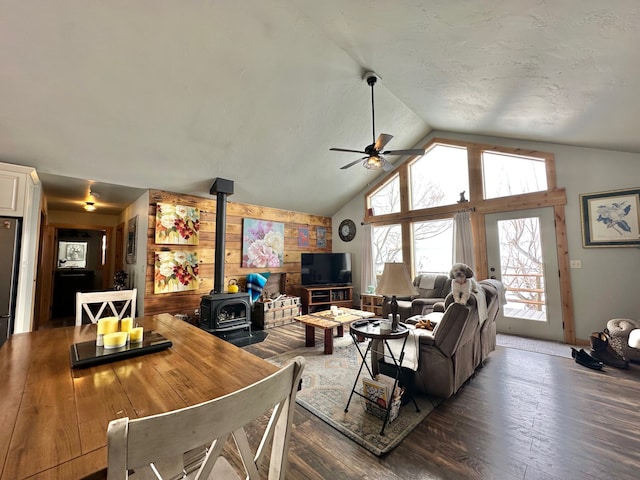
95,304
187,443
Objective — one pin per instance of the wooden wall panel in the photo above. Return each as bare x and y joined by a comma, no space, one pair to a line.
187,302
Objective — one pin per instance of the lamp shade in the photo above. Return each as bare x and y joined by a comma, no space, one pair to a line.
395,280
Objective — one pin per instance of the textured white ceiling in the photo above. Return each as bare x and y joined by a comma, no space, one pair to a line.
169,95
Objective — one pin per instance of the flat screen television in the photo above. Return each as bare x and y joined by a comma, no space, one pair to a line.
326,268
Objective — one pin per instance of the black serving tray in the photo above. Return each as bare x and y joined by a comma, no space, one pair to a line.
86,354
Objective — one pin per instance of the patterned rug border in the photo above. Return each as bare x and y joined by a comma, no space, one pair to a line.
326,400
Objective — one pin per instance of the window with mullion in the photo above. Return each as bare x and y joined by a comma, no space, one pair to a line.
432,246
439,177
387,246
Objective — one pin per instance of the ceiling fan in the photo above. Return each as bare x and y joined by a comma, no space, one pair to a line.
374,159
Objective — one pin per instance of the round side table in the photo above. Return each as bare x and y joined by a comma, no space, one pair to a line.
370,329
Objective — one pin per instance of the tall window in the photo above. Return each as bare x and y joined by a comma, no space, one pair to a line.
424,194
508,174
387,198
433,246
387,246
439,176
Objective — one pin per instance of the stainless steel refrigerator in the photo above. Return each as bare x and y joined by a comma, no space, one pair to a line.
10,235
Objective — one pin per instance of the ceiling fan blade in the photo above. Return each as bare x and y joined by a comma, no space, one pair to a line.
382,140
349,165
414,151
346,150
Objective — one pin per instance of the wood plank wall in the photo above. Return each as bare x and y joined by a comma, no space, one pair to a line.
187,302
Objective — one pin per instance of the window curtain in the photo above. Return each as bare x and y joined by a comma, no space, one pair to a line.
367,273
462,239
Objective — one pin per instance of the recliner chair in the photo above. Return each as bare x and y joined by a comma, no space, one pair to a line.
432,288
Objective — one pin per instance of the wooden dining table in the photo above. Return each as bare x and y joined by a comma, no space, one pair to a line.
53,419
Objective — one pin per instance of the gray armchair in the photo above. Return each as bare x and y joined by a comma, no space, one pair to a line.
432,288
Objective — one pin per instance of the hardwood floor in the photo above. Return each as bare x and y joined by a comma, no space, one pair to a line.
523,416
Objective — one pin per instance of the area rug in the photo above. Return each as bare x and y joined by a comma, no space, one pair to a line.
326,384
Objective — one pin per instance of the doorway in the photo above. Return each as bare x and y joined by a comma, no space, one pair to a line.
521,253
75,258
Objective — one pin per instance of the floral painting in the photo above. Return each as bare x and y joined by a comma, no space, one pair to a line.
303,236
262,243
177,224
175,271
611,219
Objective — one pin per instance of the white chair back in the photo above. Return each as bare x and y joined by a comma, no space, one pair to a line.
186,443
94,304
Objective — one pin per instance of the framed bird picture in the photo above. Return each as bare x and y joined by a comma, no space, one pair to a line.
611,219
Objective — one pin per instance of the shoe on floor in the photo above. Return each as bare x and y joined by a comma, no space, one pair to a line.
586,360
603,351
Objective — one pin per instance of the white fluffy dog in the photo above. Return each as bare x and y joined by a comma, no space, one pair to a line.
463,283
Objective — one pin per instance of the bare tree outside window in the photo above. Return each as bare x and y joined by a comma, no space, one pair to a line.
433,246
433,240
386,199
387,246
506,175
438,177
522,263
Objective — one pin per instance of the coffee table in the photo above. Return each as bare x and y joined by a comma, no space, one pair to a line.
327,321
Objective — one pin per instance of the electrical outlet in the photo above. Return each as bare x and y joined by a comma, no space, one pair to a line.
575,263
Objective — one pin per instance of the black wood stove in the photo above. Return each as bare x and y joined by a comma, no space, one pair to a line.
223,313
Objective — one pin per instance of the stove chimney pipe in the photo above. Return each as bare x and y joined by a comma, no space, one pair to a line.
221,188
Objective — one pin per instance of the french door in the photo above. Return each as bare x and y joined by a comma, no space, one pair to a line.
522,254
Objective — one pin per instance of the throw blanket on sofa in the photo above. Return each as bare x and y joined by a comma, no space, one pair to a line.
481,301
428,281
502,291
412,348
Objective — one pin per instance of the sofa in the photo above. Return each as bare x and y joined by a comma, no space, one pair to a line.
445,358
432,289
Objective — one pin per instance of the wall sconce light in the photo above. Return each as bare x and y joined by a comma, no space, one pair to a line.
90,207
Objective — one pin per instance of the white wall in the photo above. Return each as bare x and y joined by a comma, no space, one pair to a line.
26,291
138,270
602,288
354,210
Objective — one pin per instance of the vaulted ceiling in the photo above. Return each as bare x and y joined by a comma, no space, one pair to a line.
171,94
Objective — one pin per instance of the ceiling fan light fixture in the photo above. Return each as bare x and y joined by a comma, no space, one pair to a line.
90,207
373,162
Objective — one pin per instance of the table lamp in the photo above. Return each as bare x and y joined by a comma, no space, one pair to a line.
394,281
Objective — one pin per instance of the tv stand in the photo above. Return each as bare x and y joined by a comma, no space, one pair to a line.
319,298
